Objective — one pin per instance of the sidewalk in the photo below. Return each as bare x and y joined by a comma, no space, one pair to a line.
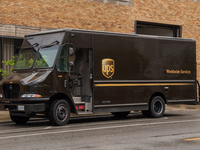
183,107
4,115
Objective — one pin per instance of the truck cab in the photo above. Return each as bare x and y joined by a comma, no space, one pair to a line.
49,78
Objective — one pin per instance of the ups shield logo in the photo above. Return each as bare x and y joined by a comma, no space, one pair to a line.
108,67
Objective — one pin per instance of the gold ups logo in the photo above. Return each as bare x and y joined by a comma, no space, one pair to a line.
108,67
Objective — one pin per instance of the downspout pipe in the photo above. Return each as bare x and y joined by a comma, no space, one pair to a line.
199,91
1,55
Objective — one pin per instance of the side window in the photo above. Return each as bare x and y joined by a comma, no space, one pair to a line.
160,29
63,60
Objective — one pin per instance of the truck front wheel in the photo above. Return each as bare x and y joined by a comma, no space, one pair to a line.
59,112
19,119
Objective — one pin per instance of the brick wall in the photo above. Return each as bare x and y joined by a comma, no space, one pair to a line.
67,14
84,14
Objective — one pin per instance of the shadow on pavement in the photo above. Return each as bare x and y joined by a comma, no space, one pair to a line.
85,119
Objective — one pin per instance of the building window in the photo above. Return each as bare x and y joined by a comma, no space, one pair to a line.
118,2
149,28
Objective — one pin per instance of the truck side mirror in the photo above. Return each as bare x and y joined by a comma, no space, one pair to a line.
71,64
71,51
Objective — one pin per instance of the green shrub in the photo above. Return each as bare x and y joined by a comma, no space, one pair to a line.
11,63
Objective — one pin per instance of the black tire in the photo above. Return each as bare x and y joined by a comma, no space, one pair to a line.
157,107
59,112
19,119
120,114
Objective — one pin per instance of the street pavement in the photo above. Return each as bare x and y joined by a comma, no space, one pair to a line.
4,115
178,129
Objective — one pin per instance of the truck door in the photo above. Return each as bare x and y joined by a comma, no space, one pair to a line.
62,71
80,79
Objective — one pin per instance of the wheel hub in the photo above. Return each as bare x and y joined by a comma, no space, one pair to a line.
62,112
158,107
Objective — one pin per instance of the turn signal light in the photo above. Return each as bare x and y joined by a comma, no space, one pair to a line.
31,95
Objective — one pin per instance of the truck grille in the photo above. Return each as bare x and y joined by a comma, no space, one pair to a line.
11,91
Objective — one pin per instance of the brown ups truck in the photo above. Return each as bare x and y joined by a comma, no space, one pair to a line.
67,71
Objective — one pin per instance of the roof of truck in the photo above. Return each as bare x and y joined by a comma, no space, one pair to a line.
110,33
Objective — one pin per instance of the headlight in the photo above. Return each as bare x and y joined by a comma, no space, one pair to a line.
31,95
1,95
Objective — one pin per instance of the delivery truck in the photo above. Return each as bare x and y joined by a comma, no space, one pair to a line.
66,71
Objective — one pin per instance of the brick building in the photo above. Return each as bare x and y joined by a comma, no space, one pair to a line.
177,18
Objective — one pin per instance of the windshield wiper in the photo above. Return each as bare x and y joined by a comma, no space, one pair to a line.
32,46
50,45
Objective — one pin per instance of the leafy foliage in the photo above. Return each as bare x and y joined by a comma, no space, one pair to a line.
25,60
42,62
11,63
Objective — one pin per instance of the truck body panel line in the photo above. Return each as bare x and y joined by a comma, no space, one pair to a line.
143,84
120,105
185,100
120,108
144,81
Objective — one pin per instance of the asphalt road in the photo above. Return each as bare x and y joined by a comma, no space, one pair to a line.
177,130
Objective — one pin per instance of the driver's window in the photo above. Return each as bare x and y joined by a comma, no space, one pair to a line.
63,60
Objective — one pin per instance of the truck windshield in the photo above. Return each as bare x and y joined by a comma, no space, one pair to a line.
46,57
25,58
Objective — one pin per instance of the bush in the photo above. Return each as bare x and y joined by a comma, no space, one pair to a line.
11,63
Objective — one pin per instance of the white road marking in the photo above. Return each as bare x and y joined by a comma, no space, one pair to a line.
72,125
99,128
48,127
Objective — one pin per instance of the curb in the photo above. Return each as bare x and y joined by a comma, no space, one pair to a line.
183,107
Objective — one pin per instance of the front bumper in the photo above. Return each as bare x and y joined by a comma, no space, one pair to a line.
20,107
26,100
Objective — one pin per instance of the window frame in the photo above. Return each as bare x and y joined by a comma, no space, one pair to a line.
176,28
67,70
41,48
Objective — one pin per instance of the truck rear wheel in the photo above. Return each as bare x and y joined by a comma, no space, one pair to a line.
59,112
120,114
156,108
19,119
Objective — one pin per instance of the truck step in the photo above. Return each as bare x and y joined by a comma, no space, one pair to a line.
84,112
79,103
77,99
84,98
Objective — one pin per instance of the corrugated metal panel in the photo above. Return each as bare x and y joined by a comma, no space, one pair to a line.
8,52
